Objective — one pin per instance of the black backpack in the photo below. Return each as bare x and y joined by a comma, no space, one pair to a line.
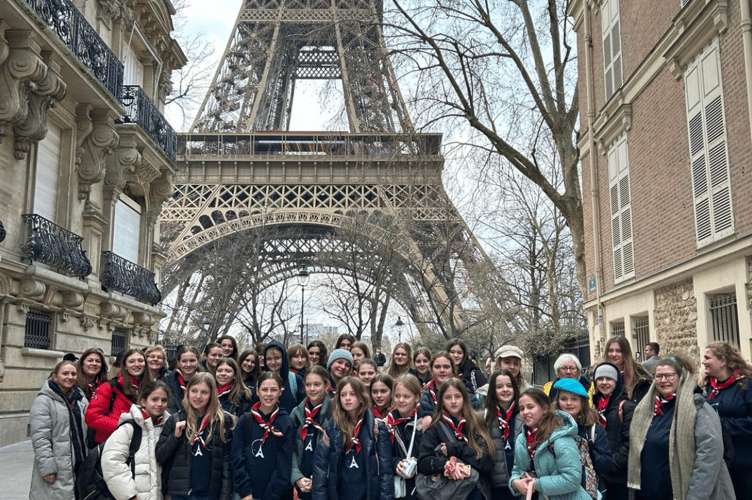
91,484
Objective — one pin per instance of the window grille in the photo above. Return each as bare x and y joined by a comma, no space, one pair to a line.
642,332
617,329
723,313
118,342
38,333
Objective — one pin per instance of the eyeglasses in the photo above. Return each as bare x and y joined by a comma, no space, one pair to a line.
568,368
665,376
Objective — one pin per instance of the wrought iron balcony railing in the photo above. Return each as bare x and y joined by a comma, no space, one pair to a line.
2,231
82,39
126,277
141,110
55,246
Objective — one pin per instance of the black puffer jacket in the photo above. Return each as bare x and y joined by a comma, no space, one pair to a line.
174,453
499,476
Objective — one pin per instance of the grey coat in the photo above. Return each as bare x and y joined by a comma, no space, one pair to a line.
53,451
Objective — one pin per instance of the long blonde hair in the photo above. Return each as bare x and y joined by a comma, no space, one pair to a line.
213,410
341,417
395,371
474,424
633,371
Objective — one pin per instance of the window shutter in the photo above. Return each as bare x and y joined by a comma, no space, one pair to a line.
133,70
610,26
127,228
48,172
621,212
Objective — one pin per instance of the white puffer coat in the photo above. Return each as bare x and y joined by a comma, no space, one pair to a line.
147,485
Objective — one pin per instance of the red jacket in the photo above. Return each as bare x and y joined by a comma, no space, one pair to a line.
97,416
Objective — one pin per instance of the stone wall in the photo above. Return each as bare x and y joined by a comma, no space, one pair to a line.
676,319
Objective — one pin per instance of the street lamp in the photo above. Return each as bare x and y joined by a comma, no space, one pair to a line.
302,281
400,326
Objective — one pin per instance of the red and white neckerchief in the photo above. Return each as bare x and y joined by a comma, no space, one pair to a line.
660,401
198,436
157,421
354,441
602,404
267,426
310,418
531,435
504,418
181,380
224,389
377,413
393,419
719,386
136,382
431,386
456,428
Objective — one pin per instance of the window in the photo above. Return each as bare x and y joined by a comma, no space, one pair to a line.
133,69
723,314
38,333
127,227
642,332
118,342
621,212
47,172
617,329
610,25
711,185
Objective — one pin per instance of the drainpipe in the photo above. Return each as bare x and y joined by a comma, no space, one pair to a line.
746,24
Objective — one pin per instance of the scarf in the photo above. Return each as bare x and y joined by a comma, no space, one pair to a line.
458,428
531,435
602,405
181,381
354,441
198,437
225,389
431,386
76,419
267,426
146,416
504,418
393,419
310,418
719,386
660,401
377,413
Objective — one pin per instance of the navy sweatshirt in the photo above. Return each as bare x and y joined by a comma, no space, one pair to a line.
734,406
655,473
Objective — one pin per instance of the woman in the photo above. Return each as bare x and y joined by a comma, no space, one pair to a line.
570,396
457,431
233,395
344,341
502,418
195,443
297,358
366,371
422,365
318,353
568,366
58,434
116,397
91,368
675,441
177,381
470,374
229,346
251,368
275,360
262,442
635,378
156,363
403,425
442,369
546,457
149,415
340,366
354,462
359,352
381,394
726,384
401,362
309,419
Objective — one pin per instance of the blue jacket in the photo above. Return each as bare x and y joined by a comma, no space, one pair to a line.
330,454
289,398
557,463
734,406
298,419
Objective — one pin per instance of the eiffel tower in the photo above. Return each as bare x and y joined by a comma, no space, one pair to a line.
241,168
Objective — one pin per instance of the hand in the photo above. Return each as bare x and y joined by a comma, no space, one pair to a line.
50,478
249,497
443,448
179,428
303,484
465,469
400,467
521,484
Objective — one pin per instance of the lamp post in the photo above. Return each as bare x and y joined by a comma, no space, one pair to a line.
400,326
302,281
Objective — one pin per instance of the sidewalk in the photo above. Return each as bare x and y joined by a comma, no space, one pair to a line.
16,461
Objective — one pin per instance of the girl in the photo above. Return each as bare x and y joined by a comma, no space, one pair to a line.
262,446
251,368
470,374
366,371
229,346
546,457
213,352
636,379
297,357
156,363
91,371
309,419
404,428
116,397
196,444
615,414
187,365
233,395
401,360
470,443
359,352
442,369
58,434
381,394
275,360
318,353
727,385
149,414
502,417
422,365
344,341
339,366
353,461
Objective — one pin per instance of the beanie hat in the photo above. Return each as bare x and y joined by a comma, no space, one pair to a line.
606,370
339,354
570,385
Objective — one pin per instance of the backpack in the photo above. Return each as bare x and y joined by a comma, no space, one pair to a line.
90,483
589,476
293,380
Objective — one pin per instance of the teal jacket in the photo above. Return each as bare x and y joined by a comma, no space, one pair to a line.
557,463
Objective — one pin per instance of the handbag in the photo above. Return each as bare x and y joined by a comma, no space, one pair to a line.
400,485
440,487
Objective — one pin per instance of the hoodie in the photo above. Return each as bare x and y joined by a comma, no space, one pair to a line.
289,398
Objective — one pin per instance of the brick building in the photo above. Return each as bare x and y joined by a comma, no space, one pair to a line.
666,105
86,159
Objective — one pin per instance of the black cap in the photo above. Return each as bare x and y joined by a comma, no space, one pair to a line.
70,357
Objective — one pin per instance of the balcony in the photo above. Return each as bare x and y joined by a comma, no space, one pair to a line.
126,277
141,110
55,246
2,231
62,17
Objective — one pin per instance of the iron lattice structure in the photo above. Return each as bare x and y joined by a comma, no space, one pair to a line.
241,171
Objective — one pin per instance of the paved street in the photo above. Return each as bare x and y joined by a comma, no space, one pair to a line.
15,470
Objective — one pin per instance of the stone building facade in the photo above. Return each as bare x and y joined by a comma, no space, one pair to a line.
86,160
666,106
